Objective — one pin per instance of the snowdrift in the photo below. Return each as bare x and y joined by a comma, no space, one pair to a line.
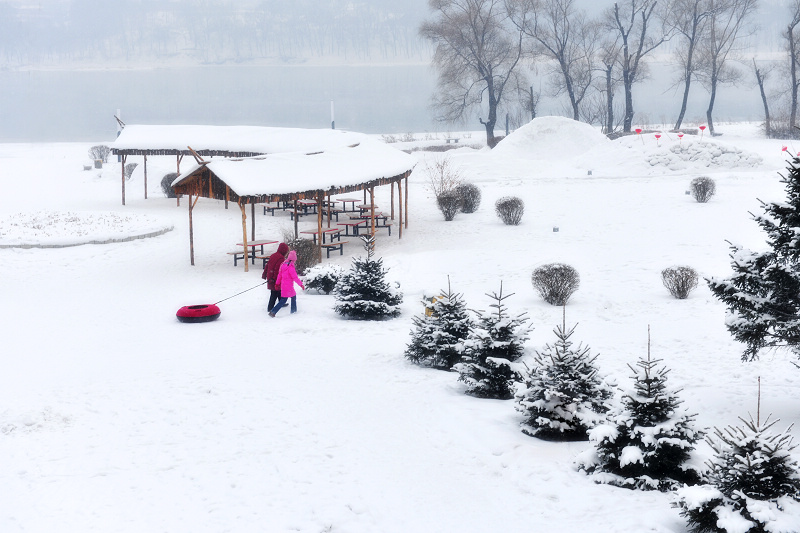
550,138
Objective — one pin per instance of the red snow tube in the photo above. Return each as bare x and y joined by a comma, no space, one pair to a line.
198,313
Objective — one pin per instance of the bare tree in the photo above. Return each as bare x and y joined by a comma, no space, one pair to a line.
477,53
687,19
726,29
761,77
631,23
564,35
792,36
609,58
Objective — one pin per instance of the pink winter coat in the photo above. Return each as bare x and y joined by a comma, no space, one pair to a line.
287,277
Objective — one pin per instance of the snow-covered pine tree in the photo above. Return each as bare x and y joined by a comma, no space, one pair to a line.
646,443
439,338
498,340
363,293
753,483
763,295
564,397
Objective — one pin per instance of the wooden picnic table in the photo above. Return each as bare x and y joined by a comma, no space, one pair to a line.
351,201
305,205
332,234
354,225
252,245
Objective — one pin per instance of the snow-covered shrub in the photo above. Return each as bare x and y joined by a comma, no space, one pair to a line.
489,368
440,334
679,281
555,282
305,249
100,152
510,210
449,203
646,444
322,277
443,176
564,396
363,292
166,185
470,197
753,484
129,168
703,188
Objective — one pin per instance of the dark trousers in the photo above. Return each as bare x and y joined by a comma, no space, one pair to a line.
273,297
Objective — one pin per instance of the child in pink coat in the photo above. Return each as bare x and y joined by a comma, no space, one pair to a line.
287,277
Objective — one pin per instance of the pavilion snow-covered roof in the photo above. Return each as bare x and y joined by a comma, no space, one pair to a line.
286,173
138,139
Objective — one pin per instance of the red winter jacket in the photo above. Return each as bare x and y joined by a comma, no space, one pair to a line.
274,264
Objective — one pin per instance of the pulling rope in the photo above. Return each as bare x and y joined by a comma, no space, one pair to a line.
237,294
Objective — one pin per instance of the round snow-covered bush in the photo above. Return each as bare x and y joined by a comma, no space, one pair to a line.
510,210
470,197
703,188
555,282
449,203
323,277
679,281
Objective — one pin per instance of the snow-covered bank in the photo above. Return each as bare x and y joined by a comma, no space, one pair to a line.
116,417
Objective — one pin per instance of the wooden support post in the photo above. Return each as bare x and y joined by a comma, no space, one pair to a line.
124,156
191,227
295,216
253,222
391,187
372,210
244,236
365,196
320,197
145,176
227,195
400,208
406,206
178,196
330,208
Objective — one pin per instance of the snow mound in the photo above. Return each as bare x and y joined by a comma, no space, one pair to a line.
72,228
550,138
704,154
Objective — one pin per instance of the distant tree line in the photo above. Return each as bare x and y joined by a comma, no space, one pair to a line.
208,31
485,52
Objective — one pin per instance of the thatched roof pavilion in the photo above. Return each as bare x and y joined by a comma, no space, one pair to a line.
298,175
224,141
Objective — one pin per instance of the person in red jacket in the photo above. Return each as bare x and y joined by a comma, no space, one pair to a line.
271,274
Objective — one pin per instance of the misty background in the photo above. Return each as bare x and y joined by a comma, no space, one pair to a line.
66,66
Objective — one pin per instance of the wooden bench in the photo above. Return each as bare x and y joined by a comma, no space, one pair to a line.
332,246
264,259
454,139
387,225
238,256
334,213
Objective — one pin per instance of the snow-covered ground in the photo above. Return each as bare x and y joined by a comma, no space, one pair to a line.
116,417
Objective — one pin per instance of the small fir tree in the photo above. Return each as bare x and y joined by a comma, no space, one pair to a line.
564,397
363,293
439,340
489,368
753,483
763,295
647,443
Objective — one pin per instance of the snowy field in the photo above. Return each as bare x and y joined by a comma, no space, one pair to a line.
116,417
